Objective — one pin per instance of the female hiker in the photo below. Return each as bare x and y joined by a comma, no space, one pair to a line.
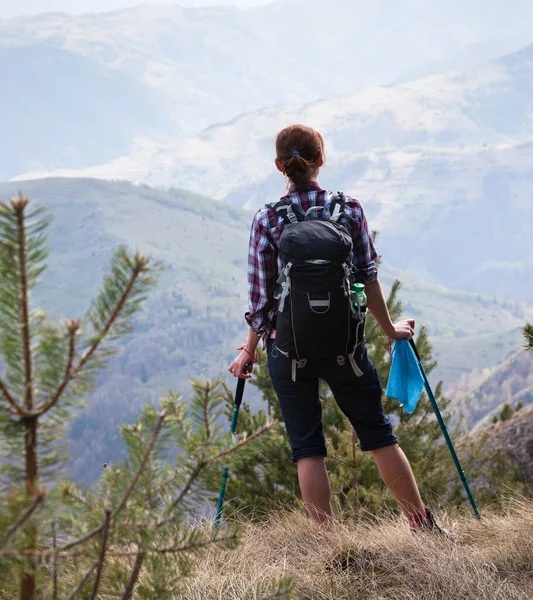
304,324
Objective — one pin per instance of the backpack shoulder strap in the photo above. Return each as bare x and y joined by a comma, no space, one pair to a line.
337,207
290,213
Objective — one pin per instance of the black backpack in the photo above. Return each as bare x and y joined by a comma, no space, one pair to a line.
315,317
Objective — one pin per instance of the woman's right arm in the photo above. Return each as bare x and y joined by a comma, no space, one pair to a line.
366,258
378,307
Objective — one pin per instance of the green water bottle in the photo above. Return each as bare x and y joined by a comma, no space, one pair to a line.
358,297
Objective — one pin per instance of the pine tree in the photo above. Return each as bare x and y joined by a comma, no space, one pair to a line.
528,334
126,533
133,531
47,367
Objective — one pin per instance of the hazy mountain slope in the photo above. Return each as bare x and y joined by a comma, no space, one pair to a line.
509,383
194,320
513,438
208,65
469,332
434,161
62,108
487,105
467,216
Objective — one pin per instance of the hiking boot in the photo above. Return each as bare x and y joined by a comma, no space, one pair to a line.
426,523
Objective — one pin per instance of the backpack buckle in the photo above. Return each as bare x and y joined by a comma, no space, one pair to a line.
284,282
297,364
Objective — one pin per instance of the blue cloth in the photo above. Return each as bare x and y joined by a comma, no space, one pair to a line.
406,381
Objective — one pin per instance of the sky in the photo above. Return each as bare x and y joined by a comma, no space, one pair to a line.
14,8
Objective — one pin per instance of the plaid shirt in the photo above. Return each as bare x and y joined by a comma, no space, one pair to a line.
265,262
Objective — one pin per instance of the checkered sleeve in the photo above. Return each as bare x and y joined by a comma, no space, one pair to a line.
365,255
261,276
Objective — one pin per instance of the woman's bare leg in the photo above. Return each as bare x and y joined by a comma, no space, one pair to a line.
315,487
397,474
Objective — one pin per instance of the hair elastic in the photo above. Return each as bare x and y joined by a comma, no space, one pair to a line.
296,153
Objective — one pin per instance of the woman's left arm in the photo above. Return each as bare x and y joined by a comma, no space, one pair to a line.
261,285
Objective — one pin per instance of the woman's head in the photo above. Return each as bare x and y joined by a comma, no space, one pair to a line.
299,153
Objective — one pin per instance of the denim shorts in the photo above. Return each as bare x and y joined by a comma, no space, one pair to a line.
359,398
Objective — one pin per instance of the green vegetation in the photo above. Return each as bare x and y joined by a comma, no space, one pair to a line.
55,539
136,533
528,334
506,413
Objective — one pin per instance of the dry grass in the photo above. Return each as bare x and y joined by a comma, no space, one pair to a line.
491,559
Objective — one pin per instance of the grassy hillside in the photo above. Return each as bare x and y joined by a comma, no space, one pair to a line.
194,320
370,560
470,332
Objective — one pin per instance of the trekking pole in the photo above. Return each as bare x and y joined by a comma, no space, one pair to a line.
444,430
225,474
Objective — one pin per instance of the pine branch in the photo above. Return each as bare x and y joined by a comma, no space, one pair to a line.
103,550
149,475
240,444
75,591
203,464
185,490
19,206
68,492
164,484
528,334
126,554
134,575
193,545
177,549
73,327
140,265
135,479
37,501
15,408
22,260
82,540
207,392
45,553
181,425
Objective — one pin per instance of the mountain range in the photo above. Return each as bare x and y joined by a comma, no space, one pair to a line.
178,70
441,164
